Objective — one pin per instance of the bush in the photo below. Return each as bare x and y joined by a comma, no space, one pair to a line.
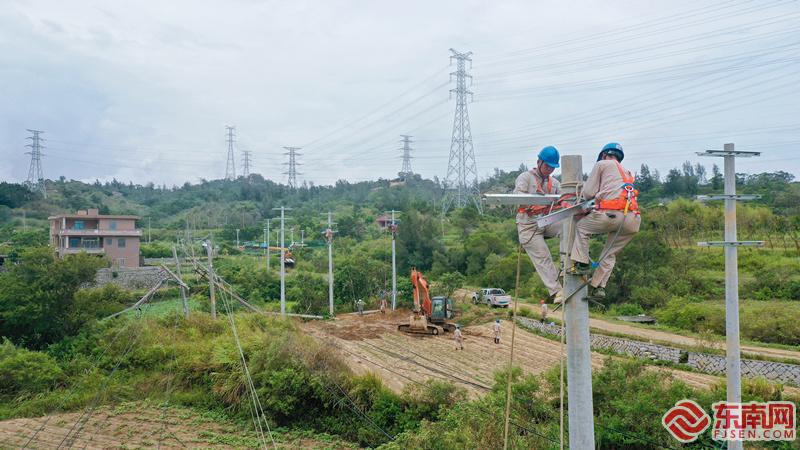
26,372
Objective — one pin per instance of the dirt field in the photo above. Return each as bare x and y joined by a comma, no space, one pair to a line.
372,344
138,426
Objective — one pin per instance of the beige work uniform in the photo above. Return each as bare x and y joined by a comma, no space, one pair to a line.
532,237
605,182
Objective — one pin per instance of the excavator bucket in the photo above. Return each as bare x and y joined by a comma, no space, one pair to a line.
418,324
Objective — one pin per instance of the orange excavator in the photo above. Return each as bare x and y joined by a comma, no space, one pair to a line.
430,315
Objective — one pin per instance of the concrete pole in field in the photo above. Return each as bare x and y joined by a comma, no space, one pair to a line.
211,288
394,263
267,243
576,319
329,237
237,238
283,267
183,290
733,361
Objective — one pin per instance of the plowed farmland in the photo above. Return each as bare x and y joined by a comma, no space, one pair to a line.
371,343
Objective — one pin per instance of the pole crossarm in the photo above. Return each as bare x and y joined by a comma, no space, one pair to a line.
731,244
736,153
742,197
520,199
565,213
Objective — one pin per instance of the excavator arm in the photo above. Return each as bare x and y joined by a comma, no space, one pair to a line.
422,297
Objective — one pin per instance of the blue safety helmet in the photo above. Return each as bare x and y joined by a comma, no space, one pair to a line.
614,149
550,156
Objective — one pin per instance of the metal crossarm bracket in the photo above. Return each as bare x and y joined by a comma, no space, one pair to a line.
562,214
520,199
731,244
704,198
737,153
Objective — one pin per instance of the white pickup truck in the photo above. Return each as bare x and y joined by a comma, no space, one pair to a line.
492,297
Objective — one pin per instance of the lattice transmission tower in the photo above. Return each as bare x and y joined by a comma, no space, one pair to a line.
405,171
246,163
292,172
35,176
230,166
461,182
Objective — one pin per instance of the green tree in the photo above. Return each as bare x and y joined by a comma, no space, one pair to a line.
37,296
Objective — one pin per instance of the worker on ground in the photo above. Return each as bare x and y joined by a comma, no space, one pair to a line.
360,306
616,213
383,304
458,338
532,238
496,329
544,311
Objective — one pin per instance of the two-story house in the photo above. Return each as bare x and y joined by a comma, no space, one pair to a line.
113,237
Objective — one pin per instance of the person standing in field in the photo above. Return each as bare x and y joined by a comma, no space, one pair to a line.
544,311
458,338
360,306
383,304
496,329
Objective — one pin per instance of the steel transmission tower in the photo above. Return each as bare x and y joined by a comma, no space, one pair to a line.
406,172
246,163
35,177
230,167
291,152
461,183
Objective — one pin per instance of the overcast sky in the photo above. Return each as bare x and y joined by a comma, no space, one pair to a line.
144,92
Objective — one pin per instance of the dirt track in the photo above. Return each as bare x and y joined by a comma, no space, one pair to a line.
373,344
645,334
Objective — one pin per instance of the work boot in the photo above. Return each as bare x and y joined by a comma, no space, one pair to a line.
559,297
581,268
597,293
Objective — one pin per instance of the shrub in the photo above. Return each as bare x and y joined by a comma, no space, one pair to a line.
26,372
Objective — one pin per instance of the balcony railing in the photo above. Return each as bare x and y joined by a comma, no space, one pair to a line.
89,250
110,233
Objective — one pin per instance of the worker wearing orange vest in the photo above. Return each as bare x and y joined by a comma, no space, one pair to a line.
539,180
616,213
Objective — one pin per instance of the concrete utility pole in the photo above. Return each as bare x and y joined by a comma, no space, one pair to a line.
393,229
266,239
291,236
283,261
733,361
148,229
237,238
302,237
576,319
209,245
183,290
329,237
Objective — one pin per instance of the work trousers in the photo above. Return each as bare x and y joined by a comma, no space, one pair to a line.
532,239
602,222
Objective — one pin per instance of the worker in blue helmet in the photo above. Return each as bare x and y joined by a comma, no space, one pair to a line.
616,213
539,180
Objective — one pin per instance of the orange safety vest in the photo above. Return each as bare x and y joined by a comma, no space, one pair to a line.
535,210
627,195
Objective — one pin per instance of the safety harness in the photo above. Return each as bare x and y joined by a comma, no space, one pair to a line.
627,195
536,210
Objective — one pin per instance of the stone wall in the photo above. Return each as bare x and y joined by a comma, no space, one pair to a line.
129,278
703,362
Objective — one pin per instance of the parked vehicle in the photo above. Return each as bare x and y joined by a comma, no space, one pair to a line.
492,297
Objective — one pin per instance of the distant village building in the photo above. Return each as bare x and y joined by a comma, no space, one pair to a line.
383,222
113,237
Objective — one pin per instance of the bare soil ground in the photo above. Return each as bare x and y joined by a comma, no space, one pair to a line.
138,426
372,344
